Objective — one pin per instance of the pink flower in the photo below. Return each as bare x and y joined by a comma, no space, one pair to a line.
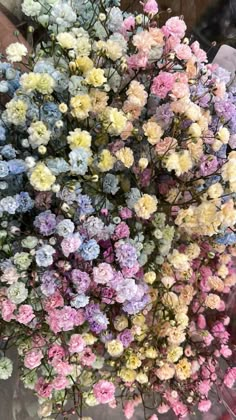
162,84
7,310
198,52
56,352
230,377
103,273
153,417
225,351
204,387
183,52
164,145
76,344
125,213
79,317
54,301
163,408
104,391
204,406
25,314
33,359
44,389
129,23
71,244
150,7
60,382
62,368
122,231
175,26
180,90
129,409
201,322
180,409
88,357
137,61
9,275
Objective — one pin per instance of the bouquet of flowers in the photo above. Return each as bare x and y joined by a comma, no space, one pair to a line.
117,202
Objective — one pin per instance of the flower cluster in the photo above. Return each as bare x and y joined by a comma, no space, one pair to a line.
117,204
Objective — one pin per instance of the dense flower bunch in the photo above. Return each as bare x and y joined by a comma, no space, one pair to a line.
117,191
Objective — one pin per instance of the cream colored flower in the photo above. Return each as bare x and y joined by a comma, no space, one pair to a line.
125,155
212,301
165,372
115,348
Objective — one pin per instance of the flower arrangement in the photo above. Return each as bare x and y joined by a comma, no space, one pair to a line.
117,183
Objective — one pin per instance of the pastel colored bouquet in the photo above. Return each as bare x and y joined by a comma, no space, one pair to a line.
117,202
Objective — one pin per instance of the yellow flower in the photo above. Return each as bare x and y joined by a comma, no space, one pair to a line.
114,121
139,320
63,108
29,81
215,190
107,161
41,178
174,354
120,323
111,49
195,130
146,206
45,84
95,77
66,40
151,353
84,64
224,135
89,339
183,369
81,106
79,138
115,348
133,362
125,155
150,277
16,111
142,378
153,132
127,375
179,162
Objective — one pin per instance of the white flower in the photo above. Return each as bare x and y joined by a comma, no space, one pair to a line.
31,8
6,368
17,293
16,51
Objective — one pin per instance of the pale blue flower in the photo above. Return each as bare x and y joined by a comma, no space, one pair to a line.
4,169
44,256
90,250
79,161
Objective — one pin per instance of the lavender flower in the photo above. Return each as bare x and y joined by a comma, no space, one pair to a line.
46,223
126,255
81,280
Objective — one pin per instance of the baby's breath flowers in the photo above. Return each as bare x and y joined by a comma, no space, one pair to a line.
117,205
